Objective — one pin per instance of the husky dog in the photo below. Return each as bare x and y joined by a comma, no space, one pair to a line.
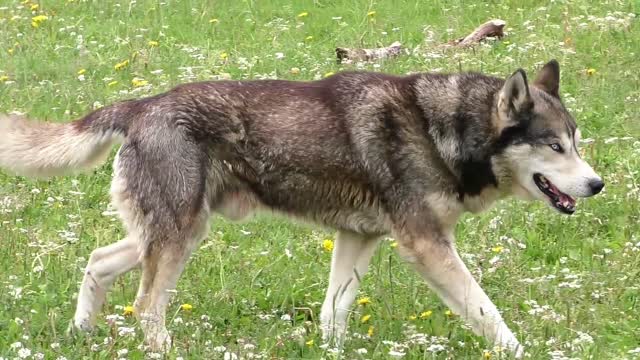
367,154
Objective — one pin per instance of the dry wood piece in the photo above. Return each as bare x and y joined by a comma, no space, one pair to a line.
492,28
348,54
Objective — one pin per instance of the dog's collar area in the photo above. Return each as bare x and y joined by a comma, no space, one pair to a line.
559,200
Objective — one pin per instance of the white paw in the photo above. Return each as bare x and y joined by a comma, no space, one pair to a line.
333,332
159,342
83,321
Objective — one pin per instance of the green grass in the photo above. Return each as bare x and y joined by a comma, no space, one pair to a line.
555,278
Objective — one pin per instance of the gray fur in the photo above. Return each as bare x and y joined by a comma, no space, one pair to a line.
366,154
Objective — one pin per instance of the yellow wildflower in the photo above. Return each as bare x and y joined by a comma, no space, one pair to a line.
448,312
329,74
394,244
294,71
426,314
309,343
113,83
303,14
34,7
11,51
81,71
37,20
365,318
412,317
364,301
224,55
214,21
308,38
486,354
128,310
498,249
3,78
186,307
371,14
327,245
591,71
152,43
121,65
370,331
137,82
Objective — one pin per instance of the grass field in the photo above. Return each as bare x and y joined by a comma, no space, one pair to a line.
568,286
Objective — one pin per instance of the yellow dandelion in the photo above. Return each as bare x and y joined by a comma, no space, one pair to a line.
81,71
152,43
364,301
412,317
370,331
394,244
498,249
112,83
186,307
214,21
309,343
137,82
303,14
34,7
365,318
327,244
37,20
121,65
371,14
294,71
128,310
426,314
486,354
591,71
308,38
3,78
329,74
224,55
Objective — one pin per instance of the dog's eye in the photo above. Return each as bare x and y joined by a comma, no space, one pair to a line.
556,147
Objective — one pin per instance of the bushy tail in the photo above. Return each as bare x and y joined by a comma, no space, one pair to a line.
42,149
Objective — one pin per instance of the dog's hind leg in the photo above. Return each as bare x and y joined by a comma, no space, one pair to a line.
105,265
162,265
351,255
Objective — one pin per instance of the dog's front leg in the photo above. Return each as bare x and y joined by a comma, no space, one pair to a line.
435,257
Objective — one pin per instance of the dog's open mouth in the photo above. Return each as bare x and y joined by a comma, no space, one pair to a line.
561,201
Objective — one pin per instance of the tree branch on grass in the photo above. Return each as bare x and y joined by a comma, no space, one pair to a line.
490,29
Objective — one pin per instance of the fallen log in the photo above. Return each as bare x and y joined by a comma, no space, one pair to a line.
346,55
491,29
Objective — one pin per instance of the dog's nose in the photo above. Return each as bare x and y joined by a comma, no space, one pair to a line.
596,186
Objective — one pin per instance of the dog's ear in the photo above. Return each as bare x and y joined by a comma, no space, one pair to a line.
514,100
548,79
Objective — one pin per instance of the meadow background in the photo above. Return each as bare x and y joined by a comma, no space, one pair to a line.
568,286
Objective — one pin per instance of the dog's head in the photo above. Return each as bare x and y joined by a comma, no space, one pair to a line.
538,142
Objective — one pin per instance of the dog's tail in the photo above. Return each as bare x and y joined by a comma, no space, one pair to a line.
42,149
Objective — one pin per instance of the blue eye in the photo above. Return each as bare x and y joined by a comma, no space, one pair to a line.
556,147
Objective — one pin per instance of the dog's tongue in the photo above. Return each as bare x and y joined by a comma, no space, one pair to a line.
566,200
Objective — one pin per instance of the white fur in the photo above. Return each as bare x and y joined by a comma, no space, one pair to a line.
46,149
351,256
567,171
447,275
105,265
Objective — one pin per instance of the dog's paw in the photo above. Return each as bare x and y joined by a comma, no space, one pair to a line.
333,334
81,325
159,342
